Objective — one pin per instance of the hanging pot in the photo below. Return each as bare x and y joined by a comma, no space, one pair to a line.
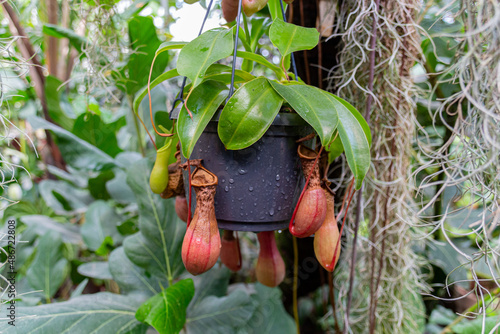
259,185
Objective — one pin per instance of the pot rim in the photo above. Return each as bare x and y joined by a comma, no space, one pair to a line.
282,119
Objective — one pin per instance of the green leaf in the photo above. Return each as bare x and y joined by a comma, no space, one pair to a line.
359,117
476,326
203,51
335,149
63,198
76,152
356,145
220,314
142,35
101,220
100,313
53,96
96,269
288,37
97,185
157,247
212,283
77,41
42,224
275,9
203,102
91,128
248,114
132,279
49,268
270,315
170,45
166,312
261,60
314,105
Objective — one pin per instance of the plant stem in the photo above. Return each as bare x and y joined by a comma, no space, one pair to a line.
295,283
136,124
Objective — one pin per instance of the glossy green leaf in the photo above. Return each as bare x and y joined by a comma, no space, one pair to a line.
288,37
157,246
68,232
77,41
248,114
314,105
261,60
144,91
356,146
49,268
166,312
170,45
91,128
64,117
144,42
335,149
359,117
203,51
64,198
275,9
203,102
100,313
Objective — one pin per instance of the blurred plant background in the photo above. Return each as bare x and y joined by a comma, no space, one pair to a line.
91,236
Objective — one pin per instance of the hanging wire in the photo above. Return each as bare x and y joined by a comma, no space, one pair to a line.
238,21
181,92
294,67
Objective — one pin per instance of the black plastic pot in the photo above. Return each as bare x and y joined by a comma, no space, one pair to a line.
258,186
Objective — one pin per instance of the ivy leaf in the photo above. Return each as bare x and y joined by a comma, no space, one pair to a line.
204,101
203,51
166,311
288,37
248,114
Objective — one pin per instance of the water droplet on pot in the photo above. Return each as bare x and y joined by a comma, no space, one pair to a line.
227,167
242,172
277,177
258,158
240,198
286,196
279,208
223,180
231,181
255,204
271,212
250,188
278,184
287,179
226,188
261,218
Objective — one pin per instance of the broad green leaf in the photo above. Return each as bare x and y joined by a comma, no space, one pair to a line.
76,152
248,114
166,312
100,313
335,149
359,117
91,128
118,188
220,314
69,233
101,220
96,269
145,42
203,102
288,37
157,246
212,283
132,279
144,91
275,9
64,198
97,185
53,96
203,51
270,315
314,105
49,268
261,60
356,145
